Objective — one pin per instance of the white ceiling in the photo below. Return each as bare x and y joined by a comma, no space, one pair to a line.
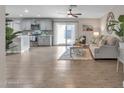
57,11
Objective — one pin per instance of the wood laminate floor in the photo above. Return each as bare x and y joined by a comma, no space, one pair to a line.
39,68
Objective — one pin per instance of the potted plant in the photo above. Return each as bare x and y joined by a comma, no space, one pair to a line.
10,35
118,27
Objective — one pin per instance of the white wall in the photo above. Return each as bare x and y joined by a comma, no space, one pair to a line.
86,21
2,47
118,10
89,34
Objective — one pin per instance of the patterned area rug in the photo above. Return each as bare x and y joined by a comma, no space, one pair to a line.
86,55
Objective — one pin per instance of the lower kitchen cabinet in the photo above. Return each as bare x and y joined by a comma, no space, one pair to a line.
45,40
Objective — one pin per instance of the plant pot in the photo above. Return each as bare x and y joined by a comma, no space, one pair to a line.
121,44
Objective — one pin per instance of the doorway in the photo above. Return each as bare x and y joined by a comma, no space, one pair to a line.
64,33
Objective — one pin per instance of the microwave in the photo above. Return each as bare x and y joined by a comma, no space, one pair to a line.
35,26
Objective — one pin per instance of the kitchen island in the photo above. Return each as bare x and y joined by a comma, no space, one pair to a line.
45,40
21,44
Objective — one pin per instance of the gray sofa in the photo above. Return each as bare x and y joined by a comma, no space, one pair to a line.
105,51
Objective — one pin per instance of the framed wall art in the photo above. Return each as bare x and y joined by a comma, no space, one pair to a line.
87,28
109,19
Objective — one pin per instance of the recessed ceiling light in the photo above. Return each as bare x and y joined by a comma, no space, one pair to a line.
26,10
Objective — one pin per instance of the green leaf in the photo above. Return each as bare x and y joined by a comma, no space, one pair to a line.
115,30
10,35
121,18
114,21
111,25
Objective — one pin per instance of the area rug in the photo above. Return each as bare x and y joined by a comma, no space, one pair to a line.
85,56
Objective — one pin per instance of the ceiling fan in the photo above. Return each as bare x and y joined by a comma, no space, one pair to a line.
73,14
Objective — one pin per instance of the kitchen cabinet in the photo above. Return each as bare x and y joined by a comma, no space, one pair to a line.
26,24
45,40
16,25
46,24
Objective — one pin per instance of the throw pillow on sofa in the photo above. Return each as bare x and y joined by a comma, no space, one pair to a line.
94,40
103,41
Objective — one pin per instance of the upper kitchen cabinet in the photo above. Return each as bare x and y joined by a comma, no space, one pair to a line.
46,24
16,25
26,24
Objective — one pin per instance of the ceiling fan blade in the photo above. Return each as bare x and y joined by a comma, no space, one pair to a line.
78,14
75,14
